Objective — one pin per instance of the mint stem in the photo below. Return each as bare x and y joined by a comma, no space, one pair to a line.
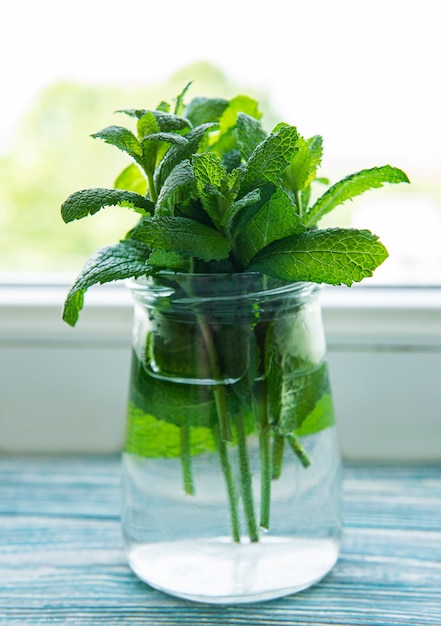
278,450
246,479
186,464
265,456
219,389
298,449
230,484
152,188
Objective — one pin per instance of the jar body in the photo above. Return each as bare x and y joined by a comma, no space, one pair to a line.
231,468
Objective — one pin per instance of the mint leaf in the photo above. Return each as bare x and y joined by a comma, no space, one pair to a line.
179,100
165,260
334,256
276,219
126,259
248,205
149,436
90,201
178,153
167,400
132,179
202,110
147,125
249,134
294,396
352,186
182,235
121,138
271,157
151,152
165,121
176,187
239,104
213,185
303,167
320,418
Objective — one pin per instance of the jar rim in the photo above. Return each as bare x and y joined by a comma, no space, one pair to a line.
214,287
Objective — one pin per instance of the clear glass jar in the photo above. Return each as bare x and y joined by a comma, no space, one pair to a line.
231,468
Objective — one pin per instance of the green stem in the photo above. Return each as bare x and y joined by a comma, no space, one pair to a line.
246,479
218,390
278,450
265,455
187,473
298,449
152,188
230,484
265,476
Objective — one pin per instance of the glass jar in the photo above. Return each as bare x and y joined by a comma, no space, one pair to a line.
231,467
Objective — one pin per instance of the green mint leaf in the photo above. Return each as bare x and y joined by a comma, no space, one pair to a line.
276,219
352,186
334,256
90,201
227,139
180,106
151,151
178,153
121,138
164,260
303,167
320,418
182,235
131,179
165,121
249,134
213,185
202,110
126,259
247,206
147,125
239,104
270,159
249,200
176,187
294,395
148,436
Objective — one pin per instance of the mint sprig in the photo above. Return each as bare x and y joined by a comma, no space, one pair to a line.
216,193
231,193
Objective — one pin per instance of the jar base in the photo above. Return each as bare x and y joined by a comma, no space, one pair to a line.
218,571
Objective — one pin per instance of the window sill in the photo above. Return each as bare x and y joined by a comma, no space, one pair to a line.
65,389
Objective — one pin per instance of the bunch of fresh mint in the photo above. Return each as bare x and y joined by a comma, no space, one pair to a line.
216,193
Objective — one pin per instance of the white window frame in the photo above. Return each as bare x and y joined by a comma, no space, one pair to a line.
63,390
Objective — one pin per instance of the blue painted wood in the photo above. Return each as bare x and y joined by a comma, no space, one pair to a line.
62,561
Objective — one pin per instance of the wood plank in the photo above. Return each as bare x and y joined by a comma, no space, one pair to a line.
62,560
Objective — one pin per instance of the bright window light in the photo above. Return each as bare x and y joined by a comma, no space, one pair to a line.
363,76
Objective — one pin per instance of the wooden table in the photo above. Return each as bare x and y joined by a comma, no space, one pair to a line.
62,561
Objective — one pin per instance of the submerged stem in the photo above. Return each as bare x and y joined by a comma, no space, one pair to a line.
187,472
265,476
246,479
278,450
230,484
265,456
218,390
298,449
